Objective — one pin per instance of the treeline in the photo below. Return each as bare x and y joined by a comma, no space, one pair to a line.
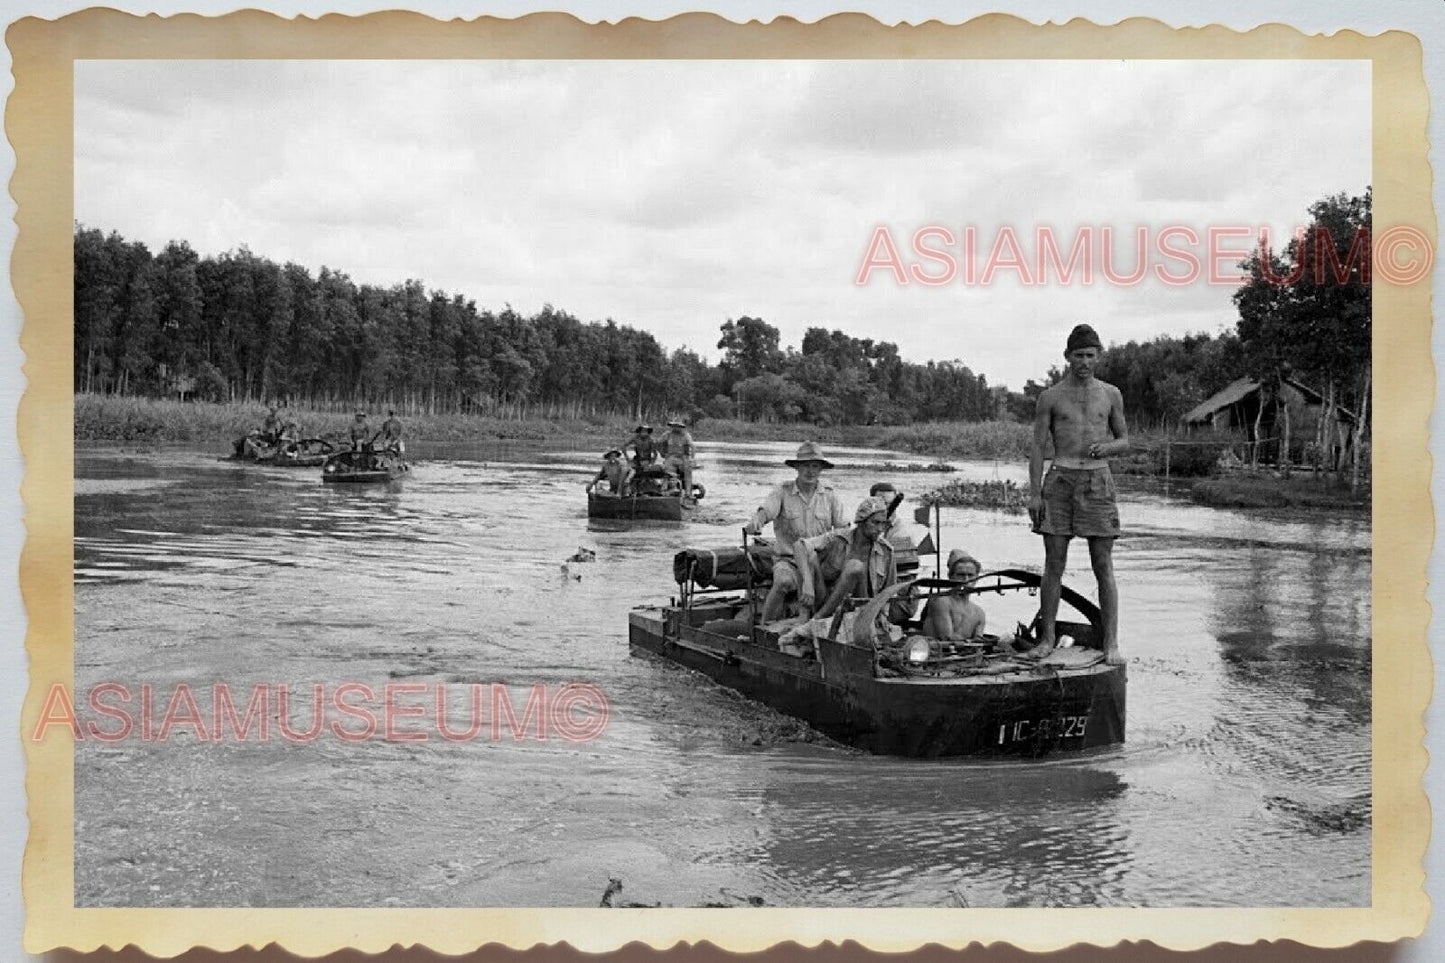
239,327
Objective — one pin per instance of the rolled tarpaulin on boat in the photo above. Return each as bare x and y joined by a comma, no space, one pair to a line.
723,568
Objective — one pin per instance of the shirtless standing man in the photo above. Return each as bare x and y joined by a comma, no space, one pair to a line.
1085,419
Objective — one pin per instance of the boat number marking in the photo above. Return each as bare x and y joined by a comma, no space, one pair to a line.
1062,727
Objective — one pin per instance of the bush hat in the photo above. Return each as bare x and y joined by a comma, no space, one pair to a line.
808,451
677,424
647,428
611,451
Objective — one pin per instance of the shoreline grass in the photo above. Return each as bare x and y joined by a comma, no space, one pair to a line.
155,421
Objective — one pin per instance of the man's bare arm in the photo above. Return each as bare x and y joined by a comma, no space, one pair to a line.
1118,425
1043,417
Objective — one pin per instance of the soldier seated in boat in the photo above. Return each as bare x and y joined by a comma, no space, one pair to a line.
955,617
855,562
798,509
359,432
616,472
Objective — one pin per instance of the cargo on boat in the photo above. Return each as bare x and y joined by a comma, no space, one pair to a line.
364,465
654,494
884,687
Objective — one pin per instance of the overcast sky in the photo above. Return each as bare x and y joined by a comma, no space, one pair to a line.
675,195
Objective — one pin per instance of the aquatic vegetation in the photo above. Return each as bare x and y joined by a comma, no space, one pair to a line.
1004,496
936,466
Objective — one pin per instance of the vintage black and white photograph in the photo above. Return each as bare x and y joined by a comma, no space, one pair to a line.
723,483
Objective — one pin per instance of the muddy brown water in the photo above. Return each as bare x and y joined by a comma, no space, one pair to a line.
1245,780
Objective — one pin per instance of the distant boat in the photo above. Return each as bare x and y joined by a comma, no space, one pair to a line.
656,496
286,453
913,696
364,465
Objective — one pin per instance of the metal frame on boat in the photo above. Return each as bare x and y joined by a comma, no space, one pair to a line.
909,697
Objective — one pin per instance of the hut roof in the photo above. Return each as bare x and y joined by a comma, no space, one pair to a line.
1233,392
1242,388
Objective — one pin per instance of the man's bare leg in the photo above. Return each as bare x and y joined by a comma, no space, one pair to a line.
785,583
1101,556
848,582
1056,557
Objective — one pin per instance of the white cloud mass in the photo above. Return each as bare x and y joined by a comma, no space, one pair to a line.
673,195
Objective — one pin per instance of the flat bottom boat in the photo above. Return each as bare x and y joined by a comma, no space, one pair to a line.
908,696
363,466
656,495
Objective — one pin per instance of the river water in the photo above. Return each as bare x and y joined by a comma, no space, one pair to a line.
1245,780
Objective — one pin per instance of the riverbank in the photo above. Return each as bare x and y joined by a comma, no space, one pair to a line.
150,420
1272,490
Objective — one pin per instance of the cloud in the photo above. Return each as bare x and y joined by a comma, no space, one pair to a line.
673,195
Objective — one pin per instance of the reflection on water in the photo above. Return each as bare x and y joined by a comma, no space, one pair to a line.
1245,779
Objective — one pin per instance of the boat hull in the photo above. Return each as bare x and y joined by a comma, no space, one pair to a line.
1027,713
662,508
363,468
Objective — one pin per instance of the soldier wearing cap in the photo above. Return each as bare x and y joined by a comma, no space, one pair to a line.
1083,417
676,451
798,509
955,616
359,431
854,562
616,472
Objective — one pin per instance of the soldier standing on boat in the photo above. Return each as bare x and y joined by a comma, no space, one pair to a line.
271,426
644,449
798,509
854,562
391,439
677,455
1084,418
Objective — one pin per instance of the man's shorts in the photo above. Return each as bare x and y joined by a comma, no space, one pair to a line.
1079,501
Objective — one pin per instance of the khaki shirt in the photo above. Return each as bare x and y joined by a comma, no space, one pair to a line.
795,516
832,550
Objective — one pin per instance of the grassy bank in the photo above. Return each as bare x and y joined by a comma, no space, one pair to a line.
149,420
1270,490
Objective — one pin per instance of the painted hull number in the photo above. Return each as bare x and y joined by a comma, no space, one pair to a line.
1028,730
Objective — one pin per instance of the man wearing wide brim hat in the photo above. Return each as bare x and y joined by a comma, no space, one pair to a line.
616,472
677,455
801,508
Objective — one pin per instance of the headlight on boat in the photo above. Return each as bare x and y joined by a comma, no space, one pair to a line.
918,649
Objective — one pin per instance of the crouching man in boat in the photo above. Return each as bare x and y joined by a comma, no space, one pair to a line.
955,617
798,509
1084,418
855,562
616,472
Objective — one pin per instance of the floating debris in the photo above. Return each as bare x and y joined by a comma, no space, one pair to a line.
583,555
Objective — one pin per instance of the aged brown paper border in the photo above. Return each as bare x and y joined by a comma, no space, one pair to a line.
39,125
